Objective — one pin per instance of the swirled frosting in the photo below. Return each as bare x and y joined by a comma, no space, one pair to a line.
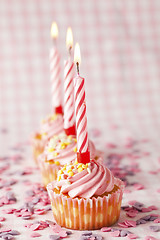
51,126
63,149
85,180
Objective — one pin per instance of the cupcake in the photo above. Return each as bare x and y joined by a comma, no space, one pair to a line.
60,151
50,126
85,196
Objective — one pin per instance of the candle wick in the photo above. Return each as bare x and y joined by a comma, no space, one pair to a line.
55,42
77,63
70,51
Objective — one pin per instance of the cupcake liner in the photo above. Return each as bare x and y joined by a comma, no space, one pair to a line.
48,170
86,214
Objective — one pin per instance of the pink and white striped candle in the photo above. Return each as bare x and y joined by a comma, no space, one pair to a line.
55,73
69,120
83,154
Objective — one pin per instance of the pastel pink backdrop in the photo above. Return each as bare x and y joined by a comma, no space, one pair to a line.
120,48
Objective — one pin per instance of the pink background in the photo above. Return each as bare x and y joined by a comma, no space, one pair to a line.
120,48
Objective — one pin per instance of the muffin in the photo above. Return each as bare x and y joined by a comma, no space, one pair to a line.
86,196
50,126
60,151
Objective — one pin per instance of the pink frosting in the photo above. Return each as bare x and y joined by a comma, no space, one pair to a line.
51,127
96,181
68,154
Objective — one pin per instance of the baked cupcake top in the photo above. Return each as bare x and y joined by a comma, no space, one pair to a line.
50,126
62,149
85,180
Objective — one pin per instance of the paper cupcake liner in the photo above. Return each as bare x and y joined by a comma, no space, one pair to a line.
48,170
86,214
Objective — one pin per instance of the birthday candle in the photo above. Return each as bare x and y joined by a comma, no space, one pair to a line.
83,154
69,120
55,72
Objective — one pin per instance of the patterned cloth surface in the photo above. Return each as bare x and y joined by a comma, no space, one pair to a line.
120,49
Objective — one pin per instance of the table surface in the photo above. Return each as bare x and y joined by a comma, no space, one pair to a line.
120,48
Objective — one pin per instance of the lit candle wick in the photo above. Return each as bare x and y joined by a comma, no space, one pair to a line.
70,51
77,56
77,64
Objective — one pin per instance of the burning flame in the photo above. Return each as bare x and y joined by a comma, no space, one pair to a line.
54,30
69,38
77,54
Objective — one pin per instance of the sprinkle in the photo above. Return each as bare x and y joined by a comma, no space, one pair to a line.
54,237
157,220
140,221
124,233
33,235
51,161
79,165
95,237
53,117
150,238
70,137
55,154
87,233
44,133
69,232
130,223
51,149
70,173
63,145
84,166
115,233
106,229
122,225
132,236
153,207
7,237
155,228
146,218
75,150
132,202
59,178
138,186
2,219
57,162
14,232
76,162
60,172
5,230
35,227
62,234
80,169
131,215
146,210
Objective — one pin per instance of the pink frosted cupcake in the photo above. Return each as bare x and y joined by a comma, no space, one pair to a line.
60,151
50,126
86,196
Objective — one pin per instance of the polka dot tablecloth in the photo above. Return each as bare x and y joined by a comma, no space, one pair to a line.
120,48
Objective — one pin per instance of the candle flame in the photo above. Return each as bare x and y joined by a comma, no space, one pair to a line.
77,54
69,38
54,30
